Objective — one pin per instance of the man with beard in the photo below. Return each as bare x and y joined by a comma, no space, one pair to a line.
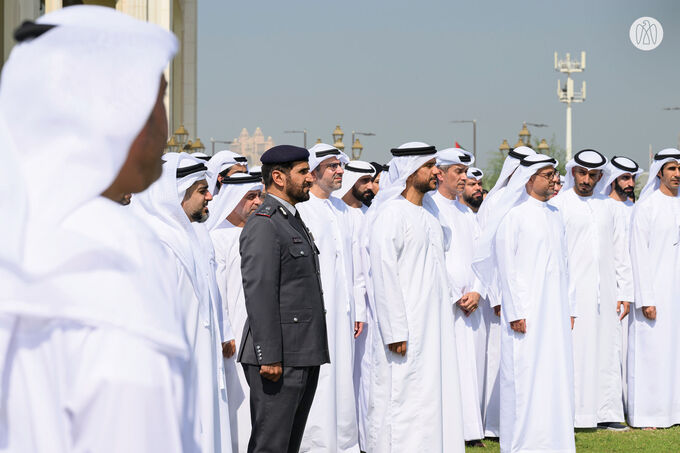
620,184
653,354
466,288
172,207
357,185
473,193
415,394
357,193
332,422
284,339
601,282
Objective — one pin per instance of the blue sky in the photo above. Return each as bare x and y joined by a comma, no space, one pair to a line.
403,70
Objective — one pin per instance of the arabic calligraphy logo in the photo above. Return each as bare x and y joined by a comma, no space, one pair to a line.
646,33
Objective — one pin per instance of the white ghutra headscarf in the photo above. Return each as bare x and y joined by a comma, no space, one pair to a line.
618,166
590,160
660,159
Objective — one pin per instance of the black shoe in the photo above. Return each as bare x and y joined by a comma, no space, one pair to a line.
613,426
474,443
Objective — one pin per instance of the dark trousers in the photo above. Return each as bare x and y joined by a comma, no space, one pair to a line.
279,410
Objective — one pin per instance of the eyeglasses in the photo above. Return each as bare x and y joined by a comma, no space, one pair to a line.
335,165
547,176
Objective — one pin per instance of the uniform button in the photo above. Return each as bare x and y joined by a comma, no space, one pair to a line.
295,320
302,252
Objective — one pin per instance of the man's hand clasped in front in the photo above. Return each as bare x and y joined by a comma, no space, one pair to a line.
271,372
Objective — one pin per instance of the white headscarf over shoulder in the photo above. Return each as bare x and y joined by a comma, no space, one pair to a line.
510,164
73,98
406,160
660,159
233,190
160,206
222,160
483,261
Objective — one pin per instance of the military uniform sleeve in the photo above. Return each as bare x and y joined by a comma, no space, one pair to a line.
260,269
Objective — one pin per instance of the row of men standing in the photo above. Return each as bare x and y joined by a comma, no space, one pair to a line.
119,326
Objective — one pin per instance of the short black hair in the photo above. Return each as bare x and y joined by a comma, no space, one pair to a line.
267,170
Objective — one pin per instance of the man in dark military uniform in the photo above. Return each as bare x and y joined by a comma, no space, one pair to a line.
284,339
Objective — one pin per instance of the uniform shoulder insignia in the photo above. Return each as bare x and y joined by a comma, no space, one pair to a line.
283,211
265,211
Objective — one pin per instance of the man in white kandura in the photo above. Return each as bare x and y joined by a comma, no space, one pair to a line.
653,353
357,193
415,369
492,310
170,207
622,173
465,286
332,423
239,197
601,282
524,241
92,347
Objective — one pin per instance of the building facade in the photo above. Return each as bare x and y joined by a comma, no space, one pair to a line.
251,147
178,16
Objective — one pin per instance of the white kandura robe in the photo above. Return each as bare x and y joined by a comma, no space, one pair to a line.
599,276
205,339
362,350
332,422
492,401
653,352
225,237
414,400
625,211
470,330
85,386
537,381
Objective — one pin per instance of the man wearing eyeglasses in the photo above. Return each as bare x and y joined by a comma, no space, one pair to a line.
600,279
332,423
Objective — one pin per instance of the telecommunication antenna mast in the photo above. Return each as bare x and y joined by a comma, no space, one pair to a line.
566,93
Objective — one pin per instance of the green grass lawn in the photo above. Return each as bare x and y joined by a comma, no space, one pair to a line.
602,441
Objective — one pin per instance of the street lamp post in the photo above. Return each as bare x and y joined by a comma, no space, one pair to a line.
181,135
197,146
474,134
303,131
213,141
337,138
357,145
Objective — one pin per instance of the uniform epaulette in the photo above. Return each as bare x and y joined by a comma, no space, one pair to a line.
266,211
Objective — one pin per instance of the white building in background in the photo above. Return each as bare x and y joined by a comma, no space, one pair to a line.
253,146
179,16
